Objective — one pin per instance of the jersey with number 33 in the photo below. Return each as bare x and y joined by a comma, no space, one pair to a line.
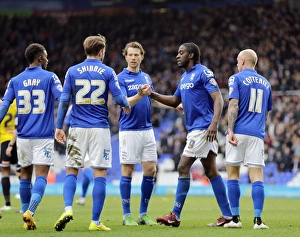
35,90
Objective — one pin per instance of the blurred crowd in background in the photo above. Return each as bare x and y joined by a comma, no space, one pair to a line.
272,31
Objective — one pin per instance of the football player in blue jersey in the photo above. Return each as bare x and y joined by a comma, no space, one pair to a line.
136,135
250,101
87,85
202,104
35,91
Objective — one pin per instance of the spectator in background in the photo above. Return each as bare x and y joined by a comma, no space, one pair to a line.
8,156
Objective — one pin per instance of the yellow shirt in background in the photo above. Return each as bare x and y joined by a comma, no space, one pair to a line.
8,126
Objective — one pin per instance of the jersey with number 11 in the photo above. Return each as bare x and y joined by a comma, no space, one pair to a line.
255,100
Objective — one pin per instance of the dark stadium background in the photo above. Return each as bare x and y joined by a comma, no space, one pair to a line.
221,28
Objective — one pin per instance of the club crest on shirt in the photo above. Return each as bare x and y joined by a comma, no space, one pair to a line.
192,77
147,80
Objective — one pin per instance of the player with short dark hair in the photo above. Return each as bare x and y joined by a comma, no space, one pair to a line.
202,104
35,91
250,101
136,135
87,85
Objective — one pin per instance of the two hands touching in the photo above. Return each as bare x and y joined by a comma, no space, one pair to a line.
144,90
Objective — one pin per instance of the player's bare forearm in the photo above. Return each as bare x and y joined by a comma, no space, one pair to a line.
233,109
218,107
169,100
144,90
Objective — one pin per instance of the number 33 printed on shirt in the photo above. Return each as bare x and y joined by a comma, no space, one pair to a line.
38,102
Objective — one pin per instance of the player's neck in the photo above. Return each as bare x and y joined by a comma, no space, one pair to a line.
133,69
93,57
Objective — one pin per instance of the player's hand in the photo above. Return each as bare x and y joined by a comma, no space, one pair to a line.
232,138
126,110
145,90
60,136
211,132
180,108
8,151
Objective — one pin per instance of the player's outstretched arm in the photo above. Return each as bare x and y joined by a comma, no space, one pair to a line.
169,100
144,90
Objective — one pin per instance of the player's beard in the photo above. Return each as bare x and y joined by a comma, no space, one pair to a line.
182,64
44,66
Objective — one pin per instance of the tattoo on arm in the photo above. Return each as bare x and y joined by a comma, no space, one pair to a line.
232,114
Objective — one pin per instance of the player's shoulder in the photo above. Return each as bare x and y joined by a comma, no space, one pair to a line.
204,72
124,75
124,72
202,69
51,76
144,74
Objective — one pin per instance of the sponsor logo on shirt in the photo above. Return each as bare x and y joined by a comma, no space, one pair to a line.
134,87
186,86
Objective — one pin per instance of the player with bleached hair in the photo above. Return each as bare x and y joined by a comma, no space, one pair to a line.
250,101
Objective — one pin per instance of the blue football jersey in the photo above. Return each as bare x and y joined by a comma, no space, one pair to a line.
88,84
139,117
255,100
194,89
35,90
